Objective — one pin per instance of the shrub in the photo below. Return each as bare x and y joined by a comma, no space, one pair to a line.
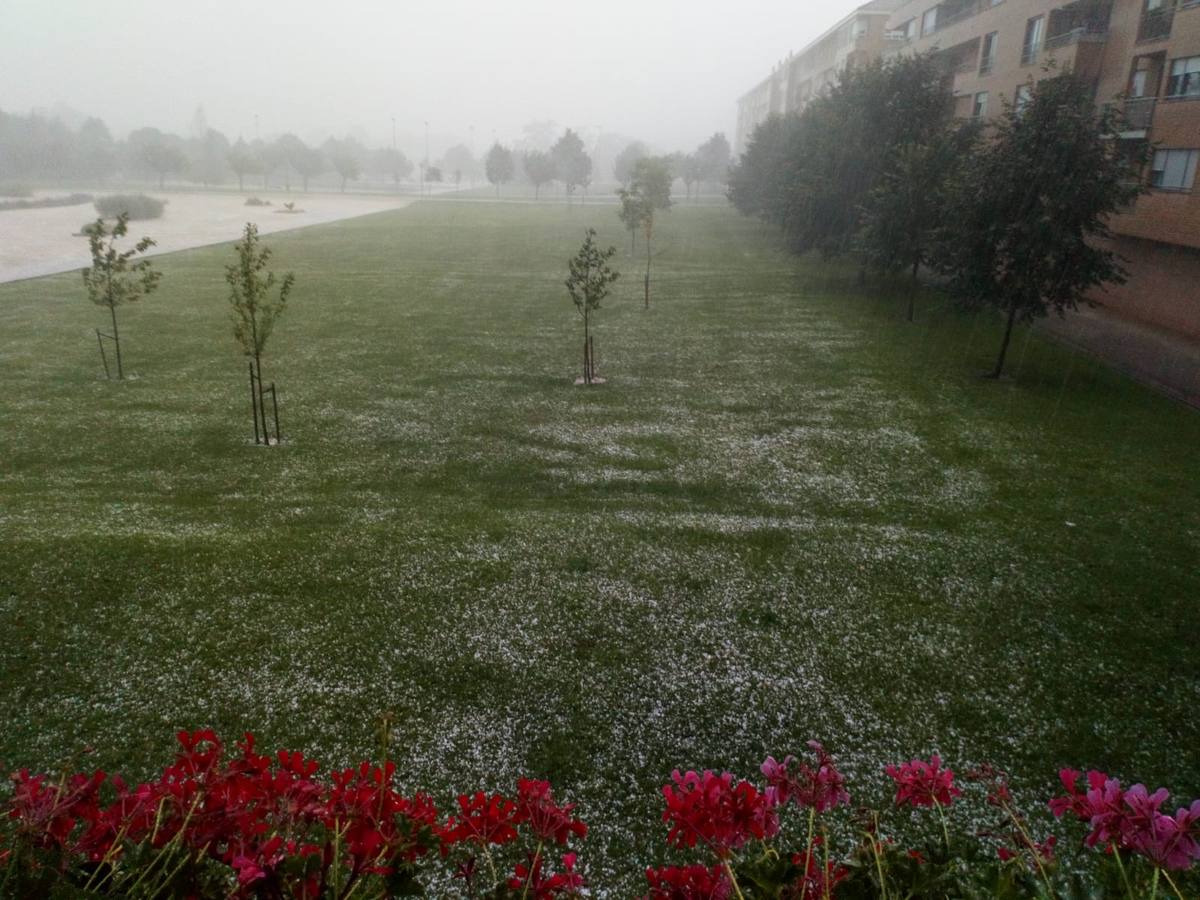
46,202
256,201
138,206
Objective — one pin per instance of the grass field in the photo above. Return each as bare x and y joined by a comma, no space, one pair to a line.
787,515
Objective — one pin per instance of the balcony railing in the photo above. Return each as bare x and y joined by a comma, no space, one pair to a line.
1095,33
964,11
1138,113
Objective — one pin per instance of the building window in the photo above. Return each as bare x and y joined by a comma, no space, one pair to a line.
988,59
910,29
1185,77
1174,170
980,109
1035,32
929,21
1023,98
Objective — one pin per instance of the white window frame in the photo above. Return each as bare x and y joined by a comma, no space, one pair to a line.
980,106
1174,169
1184,73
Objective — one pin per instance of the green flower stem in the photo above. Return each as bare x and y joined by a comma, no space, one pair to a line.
733,880
812,814
945,830
1124,876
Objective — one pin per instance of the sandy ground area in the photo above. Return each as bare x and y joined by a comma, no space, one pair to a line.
37,242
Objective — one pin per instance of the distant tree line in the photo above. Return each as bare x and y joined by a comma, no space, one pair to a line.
38,149
1012,215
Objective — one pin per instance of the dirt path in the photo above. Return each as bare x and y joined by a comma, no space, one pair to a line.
35,242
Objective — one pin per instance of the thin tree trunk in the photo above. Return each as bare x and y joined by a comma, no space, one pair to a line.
1008,330
253,402
587,356
912,290
262,410
648,257
116,340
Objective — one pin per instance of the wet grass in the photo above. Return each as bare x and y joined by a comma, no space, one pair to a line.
789,514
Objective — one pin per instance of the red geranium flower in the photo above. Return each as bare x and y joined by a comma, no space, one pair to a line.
688,883
712,809
920,783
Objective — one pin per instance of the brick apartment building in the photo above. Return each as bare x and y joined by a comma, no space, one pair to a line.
1141,54
860,37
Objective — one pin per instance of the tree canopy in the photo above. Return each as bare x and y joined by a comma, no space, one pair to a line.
1055,171
499,166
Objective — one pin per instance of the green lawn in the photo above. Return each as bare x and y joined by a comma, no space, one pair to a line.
789,514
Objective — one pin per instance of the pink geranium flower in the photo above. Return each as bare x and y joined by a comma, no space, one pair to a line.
819,788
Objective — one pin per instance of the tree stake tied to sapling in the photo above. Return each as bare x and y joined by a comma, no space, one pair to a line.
255,311
113,279
588,284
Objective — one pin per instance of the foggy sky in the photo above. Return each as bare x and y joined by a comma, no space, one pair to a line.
665,71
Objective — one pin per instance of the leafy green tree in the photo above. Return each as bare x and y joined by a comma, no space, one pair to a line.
499,166
712,160
539,169
690,169
460,159
160,153
392,163
113,279
631,214
588,284
346,157
1055,170
811,174
208,155
255,311
649,191
309,162
287,149
623,164
571,162
243,161
95,157
907,209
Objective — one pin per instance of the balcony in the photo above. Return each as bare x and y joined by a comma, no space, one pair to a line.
1138,115
1081,22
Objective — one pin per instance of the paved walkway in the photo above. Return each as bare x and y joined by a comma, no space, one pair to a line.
1155,357
35,242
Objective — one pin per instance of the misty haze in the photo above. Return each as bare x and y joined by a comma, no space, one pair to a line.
645,450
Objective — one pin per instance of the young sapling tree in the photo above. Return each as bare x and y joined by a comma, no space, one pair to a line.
589,282
256,309
650,191
631,214
114,279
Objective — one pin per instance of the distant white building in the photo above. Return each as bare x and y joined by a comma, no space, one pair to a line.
859,38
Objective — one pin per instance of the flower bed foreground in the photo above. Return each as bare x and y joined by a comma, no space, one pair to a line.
248,825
